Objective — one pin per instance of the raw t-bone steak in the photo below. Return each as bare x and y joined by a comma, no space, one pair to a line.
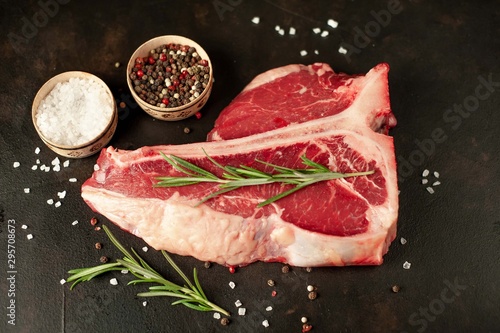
295,94
347,221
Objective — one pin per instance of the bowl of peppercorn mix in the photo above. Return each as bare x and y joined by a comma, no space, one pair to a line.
170,77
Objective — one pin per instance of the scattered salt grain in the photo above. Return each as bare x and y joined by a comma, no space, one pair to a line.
37,161
332,23
42,167
29,236
303,53
269,308
75,222
342,50
124,271
403,241
325,33
310,288
238,303
425,181
144,303
24,226
265,323
436,183
55,161
27,190
406,265
145,249
242,311
425,173
316,52
232,285
50,201
62,281
56,168
34,167
316,30
277,28
430,190
256,20
91,110
217,315
72,180
281,32
37,150
16,164
113,281
66,164
292,31
303,320
57,204
61,195
96,167
436,174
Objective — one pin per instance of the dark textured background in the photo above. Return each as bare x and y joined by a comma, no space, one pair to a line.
438,52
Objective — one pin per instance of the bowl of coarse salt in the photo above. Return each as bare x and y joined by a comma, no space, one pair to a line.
170,77
75,114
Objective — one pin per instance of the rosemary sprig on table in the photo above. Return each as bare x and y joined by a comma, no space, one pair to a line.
236,177
190,295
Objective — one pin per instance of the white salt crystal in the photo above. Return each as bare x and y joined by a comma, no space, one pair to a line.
316,52
425,173
72,180
256,20
269,308
61,195
91,109
436,183
430,190
34,167
96,167
325,33
50,201
238,303
436,174
403,241
66,164
37,150
57,204
242,311
303,53
216,315
47,169
332,23
56,168
24,226
281,32
144,303
292,31
62,281
342,50
124,271
277,28
42,167
16,164
27,190
113,281
29,236
75,222
425,181
55,161
232,285
145,249
37,161
265,323
406,265
316,30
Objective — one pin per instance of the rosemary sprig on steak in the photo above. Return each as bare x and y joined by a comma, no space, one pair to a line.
236,177
190,295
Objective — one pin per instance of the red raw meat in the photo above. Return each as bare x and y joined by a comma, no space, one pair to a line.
295,94
340,222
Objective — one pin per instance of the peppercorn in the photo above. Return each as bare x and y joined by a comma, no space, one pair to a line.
93,221
395,288
207,264
285,269
123,105
309,269
186,130
306,328
98,246
312,295
103,259
270,283
224,321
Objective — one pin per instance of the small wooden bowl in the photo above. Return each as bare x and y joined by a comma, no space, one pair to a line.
88,148
180,112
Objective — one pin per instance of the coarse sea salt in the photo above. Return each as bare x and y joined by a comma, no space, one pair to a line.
74,112
232,285
216,315
27,190
325,33
16,164
303,53
242,311
342,50
292,31
332,23
75,222
256,20
265,323
113,281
